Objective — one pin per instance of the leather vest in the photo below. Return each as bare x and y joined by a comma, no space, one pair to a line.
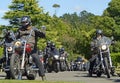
27,34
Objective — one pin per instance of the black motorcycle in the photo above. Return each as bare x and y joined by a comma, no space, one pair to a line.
53,62
103,63
8,43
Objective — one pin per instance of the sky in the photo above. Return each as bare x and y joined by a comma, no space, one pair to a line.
66,6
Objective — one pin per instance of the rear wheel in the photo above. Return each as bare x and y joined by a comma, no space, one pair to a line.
8,76
32,76
99,73
31,73
49,68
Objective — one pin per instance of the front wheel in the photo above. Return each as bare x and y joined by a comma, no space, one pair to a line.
56,67
14,66
107,70
99,73
63,66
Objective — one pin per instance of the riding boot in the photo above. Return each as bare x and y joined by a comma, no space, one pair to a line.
43,78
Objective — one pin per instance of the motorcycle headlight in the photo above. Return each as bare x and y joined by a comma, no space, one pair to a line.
18,43
56,56
79,62
9,49
62,58
104,47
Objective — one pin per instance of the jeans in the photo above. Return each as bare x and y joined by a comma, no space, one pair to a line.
38,63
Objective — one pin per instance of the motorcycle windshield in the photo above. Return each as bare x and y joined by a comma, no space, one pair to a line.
55,52
104,41
8,44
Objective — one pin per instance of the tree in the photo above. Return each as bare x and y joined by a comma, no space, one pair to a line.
55,27
56,6
30,8
113,11
19,8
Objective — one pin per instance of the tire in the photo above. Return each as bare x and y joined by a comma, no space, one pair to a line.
63,66
112,71
14,66
90,73
32,73
8,75
31,76
57,67
107,70
49,69
98,74
119,75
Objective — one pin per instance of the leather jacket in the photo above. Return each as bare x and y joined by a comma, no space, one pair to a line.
31,35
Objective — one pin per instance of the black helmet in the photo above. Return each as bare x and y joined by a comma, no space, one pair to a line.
25,21
62,49
99,32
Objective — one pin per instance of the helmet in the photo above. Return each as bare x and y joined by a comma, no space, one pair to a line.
99,32
79,58
53,45
25,21
48,43
62,49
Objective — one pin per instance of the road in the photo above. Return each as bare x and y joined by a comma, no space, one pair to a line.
76,76
80,76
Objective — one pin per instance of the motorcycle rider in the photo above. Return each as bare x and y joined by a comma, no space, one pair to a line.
7,38
53,48
47,52
94,51
99,34
64,53
27,30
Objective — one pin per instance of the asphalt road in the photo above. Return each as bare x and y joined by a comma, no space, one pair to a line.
75,76
80,76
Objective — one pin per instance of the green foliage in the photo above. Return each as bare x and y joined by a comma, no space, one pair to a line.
115,58
30,8
55,28
116,47
1,51
73,31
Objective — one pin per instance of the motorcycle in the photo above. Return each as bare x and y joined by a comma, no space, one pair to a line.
78,66
103,63
21,63
63,66
53,62
72,66
8,50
